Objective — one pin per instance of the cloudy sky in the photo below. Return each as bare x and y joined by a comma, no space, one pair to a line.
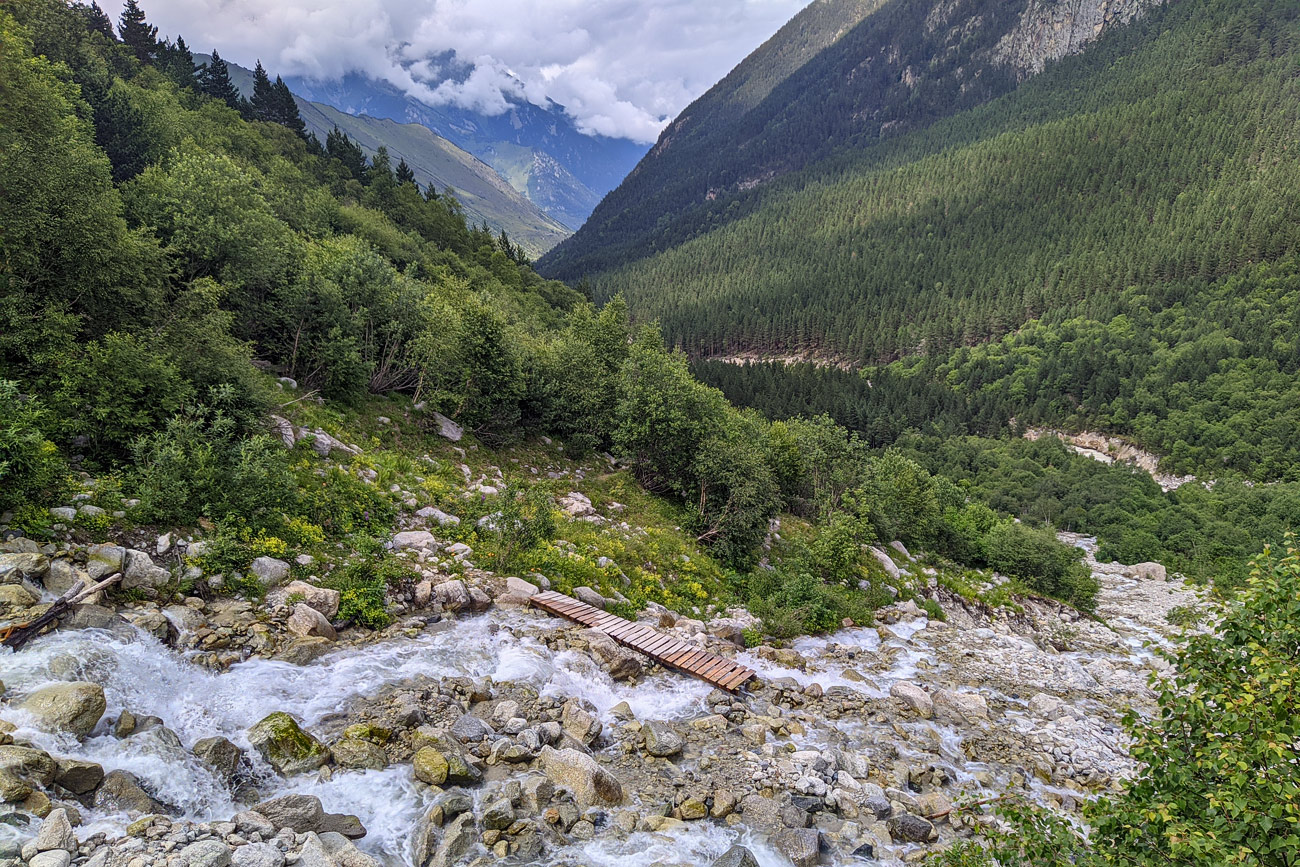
621,67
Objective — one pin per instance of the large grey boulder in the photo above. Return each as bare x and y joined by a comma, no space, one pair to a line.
23,770
77,776
621,663
579,721
104,560
306,621
62,576
304,814
661,739
16,568
257,855
914,697
75,707
270,571
589,596
800,845
448,428
432,513
420,539
590,784
141,573
204,853
56,833
121,792
219,754
761,814
906,828
323,599
961,708
286,746
736,856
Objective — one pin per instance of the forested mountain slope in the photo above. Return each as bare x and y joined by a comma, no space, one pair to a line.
843,74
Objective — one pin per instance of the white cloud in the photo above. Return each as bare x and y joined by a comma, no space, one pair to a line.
620,67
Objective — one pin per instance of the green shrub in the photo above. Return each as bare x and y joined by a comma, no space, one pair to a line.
363,589
1045,564
526,519
31,468
340,503
800,604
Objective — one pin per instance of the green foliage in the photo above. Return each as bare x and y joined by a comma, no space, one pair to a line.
31,469
801,604
340,503
363,587
524,520
1047,566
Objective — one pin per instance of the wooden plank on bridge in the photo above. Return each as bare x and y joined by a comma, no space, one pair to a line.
668,651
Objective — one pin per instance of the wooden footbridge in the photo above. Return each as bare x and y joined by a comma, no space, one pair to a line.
668,651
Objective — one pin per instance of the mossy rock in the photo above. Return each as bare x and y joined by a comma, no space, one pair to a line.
286,746
430,766
368,732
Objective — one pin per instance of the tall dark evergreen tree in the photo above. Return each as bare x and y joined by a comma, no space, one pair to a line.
405,175
348,152
263,101
285,109
97,21
214,80
177,61
138,34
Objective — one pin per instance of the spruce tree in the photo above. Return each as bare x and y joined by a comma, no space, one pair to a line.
177,61
286,109
214,80
347,152
263,102
137,33
405,175
97,21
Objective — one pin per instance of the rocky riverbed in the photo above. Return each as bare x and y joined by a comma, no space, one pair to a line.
475,730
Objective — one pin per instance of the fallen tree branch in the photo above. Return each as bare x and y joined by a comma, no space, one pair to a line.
17,634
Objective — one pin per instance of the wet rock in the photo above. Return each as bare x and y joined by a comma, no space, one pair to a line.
304,814
907,828
800,845
580,722
736,856
960,707
63,576
15,568
662,740
75,708
933,805
22,770
693,809
248,823
285,746
55,858
56,833
121,792
357,753
77,776
430,766
18,595
914,697
498,815
621,663
582,775
343,852
306,622
1046,706
270,571
458,838
220,755
204,853
304,651
452,595
87,616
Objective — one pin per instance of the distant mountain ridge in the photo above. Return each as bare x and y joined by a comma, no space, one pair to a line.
539,150
841,75
484,194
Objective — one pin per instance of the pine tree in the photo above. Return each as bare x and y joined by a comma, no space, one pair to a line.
347,152
98,22
286,108
405,175
177,61
214,80
137,33
263,102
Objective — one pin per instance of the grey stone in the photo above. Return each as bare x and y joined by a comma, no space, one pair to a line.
141,573
589,596
662,740
322,599
306,622
104,560
580,722
62,576
15,568
257,855
800,845
219,754
761,814
429,513
53,858
205,853
75,707
121,793
302,813
914,697
270,571
77,776
582,775
448,428
907,828
56,833
736,856
470,729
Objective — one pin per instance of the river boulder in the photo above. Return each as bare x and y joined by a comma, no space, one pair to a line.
582,775
75,708
286,746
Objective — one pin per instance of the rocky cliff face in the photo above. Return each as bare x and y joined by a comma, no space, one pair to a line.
1051,29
